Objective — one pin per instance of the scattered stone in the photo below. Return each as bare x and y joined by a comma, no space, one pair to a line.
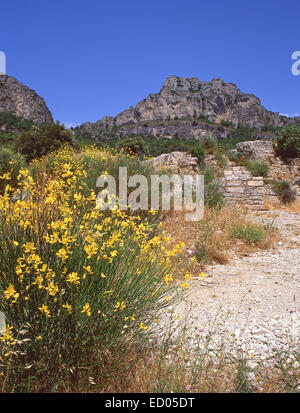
271,324
257,150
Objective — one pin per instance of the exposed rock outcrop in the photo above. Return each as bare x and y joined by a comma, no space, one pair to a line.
190,97
189,108
237,184
264,151
21,101
178,162
257,150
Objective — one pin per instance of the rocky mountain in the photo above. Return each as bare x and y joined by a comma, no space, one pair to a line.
189,107
21,101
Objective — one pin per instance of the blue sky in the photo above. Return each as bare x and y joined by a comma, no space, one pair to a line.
92,58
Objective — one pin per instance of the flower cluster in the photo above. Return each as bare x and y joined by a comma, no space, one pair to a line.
69,269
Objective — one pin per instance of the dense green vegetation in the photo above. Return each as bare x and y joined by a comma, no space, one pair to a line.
33,141
14,123
10,162
288,142
11,126
256,168
248,231
39,141
133,145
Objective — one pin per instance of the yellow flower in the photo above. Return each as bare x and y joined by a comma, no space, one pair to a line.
8,337
184,285
91,249
44,309
63,254
143,327
52,288
119,306
88,269
202,275
168,279
10,292
73,278
86,309
188,276
5,176
29,247
68,307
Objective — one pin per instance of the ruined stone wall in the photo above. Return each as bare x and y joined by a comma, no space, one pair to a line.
239,185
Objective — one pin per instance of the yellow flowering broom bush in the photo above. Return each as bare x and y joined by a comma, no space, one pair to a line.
76,283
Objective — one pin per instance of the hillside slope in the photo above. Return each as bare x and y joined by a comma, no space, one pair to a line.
19,100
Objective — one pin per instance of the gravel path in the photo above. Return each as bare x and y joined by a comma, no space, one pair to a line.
253,303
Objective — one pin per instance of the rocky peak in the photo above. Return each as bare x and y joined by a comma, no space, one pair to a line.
190,98
22,101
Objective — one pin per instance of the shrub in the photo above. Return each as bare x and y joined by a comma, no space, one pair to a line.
10,164
226,123
243,133
284,191
198,152
133,145
204,118
248,232
209,143
39,141
12,122
288,142
235,156
213,197
221,159
257,168
78,286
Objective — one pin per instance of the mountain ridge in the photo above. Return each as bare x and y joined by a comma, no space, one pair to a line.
189,107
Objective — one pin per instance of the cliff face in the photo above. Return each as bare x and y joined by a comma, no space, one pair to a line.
181,98
190,108
21,101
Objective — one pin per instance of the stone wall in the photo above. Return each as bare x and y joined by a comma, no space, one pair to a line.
239,185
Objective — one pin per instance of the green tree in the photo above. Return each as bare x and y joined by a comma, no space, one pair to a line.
288,142
39,141
133,145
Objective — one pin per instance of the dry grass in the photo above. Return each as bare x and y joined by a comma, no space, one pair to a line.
211,238
291,207
166,370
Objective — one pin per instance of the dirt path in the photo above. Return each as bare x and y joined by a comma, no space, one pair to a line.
253,303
